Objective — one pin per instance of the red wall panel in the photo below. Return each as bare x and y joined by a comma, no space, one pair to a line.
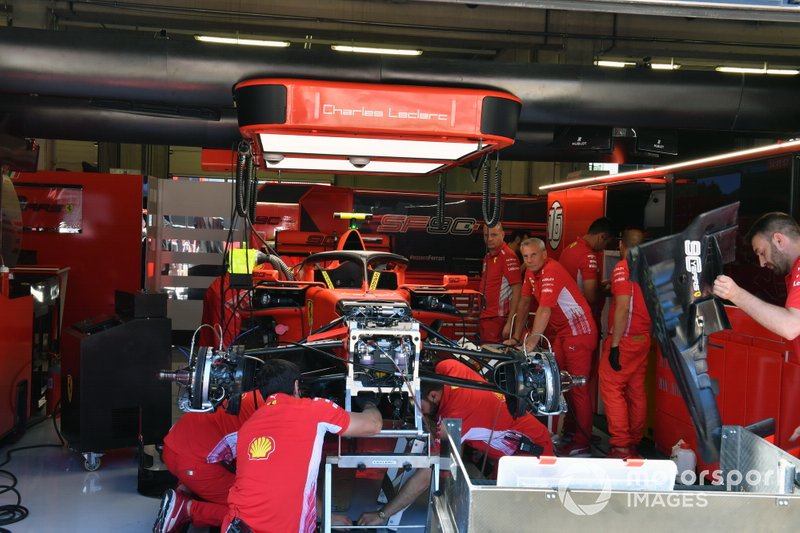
106,255
790,415
734,383
569,215
763,385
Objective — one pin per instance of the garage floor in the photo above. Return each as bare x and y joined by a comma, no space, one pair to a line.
60,495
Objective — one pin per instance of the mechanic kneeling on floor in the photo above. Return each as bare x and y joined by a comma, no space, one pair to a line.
279,450
486,426
199,451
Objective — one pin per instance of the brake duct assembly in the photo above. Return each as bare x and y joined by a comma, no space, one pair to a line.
293,125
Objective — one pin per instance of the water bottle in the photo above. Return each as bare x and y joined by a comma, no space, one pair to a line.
685,459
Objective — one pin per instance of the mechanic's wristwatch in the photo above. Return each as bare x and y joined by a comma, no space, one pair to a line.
381,514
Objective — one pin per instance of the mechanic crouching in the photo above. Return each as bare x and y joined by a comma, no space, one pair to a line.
486,426
279,450
199,450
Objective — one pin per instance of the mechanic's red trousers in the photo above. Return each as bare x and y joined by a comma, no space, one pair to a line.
209,481
574,354
490,329
623,392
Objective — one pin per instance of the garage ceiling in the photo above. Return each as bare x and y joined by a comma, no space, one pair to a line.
131,71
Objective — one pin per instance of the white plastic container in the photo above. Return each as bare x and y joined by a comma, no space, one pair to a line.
572,473
686,462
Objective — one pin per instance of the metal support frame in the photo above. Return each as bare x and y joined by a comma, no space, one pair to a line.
386,460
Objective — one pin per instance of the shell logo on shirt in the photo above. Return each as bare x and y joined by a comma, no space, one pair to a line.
261,448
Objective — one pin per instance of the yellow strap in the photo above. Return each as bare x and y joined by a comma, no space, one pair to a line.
327,279
373,283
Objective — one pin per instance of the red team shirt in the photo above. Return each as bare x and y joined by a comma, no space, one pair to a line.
212,435
553,287
481,412
500,272
793,296
580,261
279,451
638,318
583,264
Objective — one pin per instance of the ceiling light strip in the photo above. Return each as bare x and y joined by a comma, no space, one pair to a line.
759,70
375,50
239,41
730,157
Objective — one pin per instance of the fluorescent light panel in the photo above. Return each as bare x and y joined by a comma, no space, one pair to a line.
373,50
613,64
664,66
345,166
237,40
759,70
366,147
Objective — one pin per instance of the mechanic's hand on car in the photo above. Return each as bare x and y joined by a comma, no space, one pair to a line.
796,434
339,519
511,341
506,329
613,358
372,519
532,343
725,288
366,399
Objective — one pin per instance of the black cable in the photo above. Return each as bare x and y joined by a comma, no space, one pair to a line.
244,168
224,266
494,218
15,512
475,171
325,328
335,357
491,434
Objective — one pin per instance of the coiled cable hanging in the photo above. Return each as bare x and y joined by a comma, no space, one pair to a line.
440,203
243,182
486,206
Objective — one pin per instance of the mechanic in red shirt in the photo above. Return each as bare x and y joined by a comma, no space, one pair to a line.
500,285
279,451
775,238
486,425
624,361
199,450
582,260
562,306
